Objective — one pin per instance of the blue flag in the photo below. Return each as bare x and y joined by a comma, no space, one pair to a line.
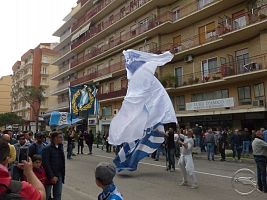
83,99
62,119
132,153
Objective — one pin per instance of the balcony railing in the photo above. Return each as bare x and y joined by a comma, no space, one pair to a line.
61,86
60,70
123,38
98,73
92,12
83,2
238,67
107,23
119,93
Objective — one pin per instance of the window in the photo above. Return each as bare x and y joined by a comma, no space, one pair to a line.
207,32
218,94
239,20
181,103
242,58
259,90
107,111
133,30
122,12
144,25
176,14
244,95
44,70
209,66
203,3
111,87
177,43
179,76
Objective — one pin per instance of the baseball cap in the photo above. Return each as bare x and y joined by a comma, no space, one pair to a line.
105,172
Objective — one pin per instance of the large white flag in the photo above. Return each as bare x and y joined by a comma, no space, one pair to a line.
146,102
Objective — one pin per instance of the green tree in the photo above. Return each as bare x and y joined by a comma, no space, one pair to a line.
9,119
34,97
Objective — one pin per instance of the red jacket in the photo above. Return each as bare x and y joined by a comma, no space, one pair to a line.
41,175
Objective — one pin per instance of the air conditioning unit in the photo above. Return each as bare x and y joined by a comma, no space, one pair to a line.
115,111
188,58
258,103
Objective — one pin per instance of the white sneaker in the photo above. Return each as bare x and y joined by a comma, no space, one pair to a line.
194,186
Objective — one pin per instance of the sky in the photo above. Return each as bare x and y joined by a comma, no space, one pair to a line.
25,24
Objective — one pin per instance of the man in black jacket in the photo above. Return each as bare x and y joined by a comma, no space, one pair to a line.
54,164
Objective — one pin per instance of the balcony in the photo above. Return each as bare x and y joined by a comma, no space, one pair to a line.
111,95
60,73
62,105
236,71
99,73
92,12
61,88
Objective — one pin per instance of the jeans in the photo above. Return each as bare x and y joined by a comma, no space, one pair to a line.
246,145
210,150
171,157
57,190
261,172
80,145
90,147
236,150
197,140
69,151
160,149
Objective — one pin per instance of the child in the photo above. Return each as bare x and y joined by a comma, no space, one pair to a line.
38,168
104,175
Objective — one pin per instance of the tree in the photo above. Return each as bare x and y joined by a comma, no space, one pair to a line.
9,119
34,97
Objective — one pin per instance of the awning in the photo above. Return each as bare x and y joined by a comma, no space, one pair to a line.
80,32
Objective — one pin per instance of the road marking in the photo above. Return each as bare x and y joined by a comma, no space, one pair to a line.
162,166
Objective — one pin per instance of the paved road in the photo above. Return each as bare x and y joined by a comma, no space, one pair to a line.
153,182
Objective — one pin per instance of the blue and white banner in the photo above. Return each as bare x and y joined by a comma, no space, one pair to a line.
83,98
62,119
145,105
132,153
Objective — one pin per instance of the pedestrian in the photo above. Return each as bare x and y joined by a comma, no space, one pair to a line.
171,149
71,143
10,189
54,165
17,172
259,147
108,146
222,144
236,143
104,174
197,133
80,142
89,139
12,156
186,160
98,139
28,136
36,148
38,169
246,136
210,141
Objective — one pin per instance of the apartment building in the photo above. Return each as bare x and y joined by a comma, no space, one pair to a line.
217,77
34,69
5,91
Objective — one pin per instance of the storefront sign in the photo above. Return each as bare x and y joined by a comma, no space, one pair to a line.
216,103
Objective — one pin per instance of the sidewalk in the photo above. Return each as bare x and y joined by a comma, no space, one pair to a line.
197,154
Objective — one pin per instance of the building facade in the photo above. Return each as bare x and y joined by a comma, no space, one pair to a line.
34,69
217,77
5,94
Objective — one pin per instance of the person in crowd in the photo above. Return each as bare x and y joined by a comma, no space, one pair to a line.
12,156
54,165
98,139
70,145
108,146
37,146
80,142
223,143
236,143
186,160
210,141
259,148
217,134
170,149
38,169
28,136
246,137
203,140
11,135
104,174
89,139
31,190
197,133
265,134
177,146
17,172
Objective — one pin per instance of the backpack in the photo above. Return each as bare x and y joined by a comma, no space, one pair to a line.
12,191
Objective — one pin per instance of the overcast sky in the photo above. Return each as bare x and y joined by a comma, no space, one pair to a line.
25,24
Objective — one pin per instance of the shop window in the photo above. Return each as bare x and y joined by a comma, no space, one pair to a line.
244,95
181,102
259,90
